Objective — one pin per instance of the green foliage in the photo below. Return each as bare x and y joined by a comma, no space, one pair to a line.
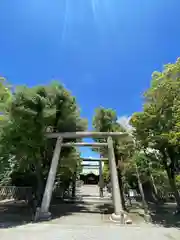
70,164
31,113
5,99
5,93
158,125
105,120
28,113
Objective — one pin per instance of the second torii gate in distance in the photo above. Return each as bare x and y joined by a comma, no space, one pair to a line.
118,215
101,179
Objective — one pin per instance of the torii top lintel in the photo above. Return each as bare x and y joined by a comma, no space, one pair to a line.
87,134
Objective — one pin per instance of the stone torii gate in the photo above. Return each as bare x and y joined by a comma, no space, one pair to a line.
118,215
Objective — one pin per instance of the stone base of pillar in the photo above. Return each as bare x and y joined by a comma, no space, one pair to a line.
147,217
101,193
42,216
120,218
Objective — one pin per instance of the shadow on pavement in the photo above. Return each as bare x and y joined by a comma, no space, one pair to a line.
104,209
164,215
16,213
68,208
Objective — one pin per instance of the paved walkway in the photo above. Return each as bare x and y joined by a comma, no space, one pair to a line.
91,192
89,209
86,220
74,232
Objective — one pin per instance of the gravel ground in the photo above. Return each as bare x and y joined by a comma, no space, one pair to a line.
73,232
80,221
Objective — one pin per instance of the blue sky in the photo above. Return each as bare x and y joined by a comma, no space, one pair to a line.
104,51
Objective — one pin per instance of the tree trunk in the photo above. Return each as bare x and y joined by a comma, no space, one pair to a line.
172,183
154,189
153,185
40,183
121,189
171,176
151,176
74,185
145,206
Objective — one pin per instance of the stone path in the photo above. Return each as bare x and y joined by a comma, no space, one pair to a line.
88,209
86,220
74,232
87,191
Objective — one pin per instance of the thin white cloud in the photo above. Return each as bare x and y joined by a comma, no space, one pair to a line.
124,122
